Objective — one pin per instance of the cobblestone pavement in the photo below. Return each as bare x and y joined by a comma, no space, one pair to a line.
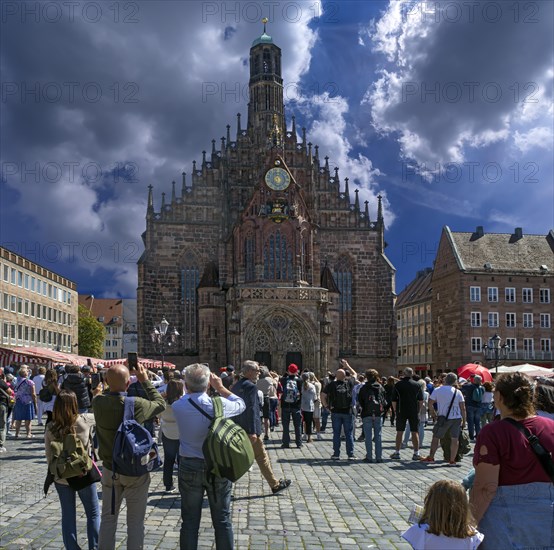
330,504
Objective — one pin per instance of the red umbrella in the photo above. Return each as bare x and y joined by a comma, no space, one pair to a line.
471,369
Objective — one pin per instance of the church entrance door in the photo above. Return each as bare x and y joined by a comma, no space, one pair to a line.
263,357
294,357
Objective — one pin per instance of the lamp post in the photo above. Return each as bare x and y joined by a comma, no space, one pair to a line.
493,351
160,337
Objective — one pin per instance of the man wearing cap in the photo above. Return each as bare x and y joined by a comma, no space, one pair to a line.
228,380
290,406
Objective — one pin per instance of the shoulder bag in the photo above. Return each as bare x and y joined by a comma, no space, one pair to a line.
441,420
542,454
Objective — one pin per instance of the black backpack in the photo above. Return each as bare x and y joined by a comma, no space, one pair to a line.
375,399
342,396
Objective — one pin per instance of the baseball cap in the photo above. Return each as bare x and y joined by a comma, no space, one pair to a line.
292,368
230,368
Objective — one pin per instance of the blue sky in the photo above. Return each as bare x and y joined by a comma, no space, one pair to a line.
445,108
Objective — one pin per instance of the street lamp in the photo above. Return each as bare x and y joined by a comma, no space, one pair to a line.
494,351
160,337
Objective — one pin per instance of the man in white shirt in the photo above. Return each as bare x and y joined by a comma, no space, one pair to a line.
39,380
450,404
193,475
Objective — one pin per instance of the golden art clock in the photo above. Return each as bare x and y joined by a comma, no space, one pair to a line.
277,179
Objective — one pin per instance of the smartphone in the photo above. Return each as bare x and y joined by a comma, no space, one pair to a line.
132,360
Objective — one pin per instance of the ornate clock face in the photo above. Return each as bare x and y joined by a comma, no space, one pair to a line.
277,179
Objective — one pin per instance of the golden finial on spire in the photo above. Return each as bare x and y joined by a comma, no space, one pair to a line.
264,21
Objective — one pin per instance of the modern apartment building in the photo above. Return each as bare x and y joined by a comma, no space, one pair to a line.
109,311
414,324
489,283
38,307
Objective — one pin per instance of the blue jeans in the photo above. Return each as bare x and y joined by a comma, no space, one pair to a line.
324,417
193,481
89,498
273,403
171,454
287,413
473,421
340,420
421,431
373,426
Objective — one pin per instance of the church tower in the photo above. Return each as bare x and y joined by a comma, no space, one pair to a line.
267,254
266,111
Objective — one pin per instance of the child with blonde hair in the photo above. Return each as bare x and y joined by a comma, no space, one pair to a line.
446,522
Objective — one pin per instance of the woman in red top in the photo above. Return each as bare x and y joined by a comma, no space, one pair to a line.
512,494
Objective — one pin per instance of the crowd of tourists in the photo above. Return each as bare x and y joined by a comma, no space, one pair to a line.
89,411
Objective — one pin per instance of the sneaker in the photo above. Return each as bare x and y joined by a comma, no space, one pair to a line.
416,456
171,490
351,457
428,459
395,455
369,460
318,437
3,450
361,438
335,457
379,460
283,446
266,438
453,463
283,484
304,437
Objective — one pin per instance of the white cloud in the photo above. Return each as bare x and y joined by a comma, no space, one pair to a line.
540,137
451,85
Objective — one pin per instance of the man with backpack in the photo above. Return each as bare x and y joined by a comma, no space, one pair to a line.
473,394
250,421
193,412
339,399
290,406
372,401
109,412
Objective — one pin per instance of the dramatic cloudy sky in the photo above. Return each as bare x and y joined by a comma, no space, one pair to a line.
445,108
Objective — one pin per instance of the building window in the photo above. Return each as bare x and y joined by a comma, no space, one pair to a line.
26,282
343,278
528,347
13,303
6,333
6,302
33,280
13,275
512,344
527,295
26,334
545,320
493,294
20,278
277,258
527,320
6,274
32,309
114,343
250,258
474,293
476,345
475,318
510,320
544,295
20,305
190,277
493,319
510,294
107,343
26,307
545,344
33,335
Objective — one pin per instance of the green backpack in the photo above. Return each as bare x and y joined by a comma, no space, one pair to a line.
69,457
227,449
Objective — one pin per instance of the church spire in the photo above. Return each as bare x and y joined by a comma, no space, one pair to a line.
294,127
379,209
266,109
183,185
228,134
367,212
346,190
173,195
239,130
357,201
163,202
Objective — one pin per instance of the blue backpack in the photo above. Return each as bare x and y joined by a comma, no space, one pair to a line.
135,452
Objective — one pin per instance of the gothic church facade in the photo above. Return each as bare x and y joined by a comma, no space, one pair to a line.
264,255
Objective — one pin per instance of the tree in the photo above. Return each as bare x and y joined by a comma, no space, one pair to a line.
91,334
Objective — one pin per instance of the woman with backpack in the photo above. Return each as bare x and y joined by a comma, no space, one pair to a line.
372,401
307,405
25,402
67,420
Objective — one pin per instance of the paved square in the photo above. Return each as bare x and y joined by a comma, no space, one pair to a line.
331,504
